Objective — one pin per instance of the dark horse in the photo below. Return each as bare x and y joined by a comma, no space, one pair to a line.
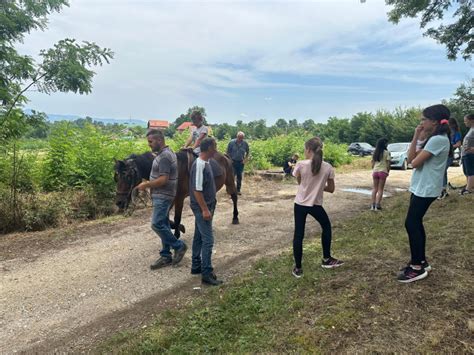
130,172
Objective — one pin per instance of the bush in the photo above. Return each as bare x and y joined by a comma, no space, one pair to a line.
336,154
275,151
41,211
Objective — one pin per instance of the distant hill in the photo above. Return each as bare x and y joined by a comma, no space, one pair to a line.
55,117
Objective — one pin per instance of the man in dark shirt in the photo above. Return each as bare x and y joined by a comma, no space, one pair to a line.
163,184
202,193
238,150
290,164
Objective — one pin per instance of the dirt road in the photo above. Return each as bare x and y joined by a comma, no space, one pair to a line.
68,289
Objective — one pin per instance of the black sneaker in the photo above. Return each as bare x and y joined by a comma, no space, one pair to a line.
331,263
378,208
410,275
179,254
465,191
443,195
424,265
196,271
211,280
161,262
297,272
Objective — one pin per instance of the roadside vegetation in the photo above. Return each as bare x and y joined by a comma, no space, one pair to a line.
357,308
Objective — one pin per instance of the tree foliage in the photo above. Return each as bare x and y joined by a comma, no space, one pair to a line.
457,36
67,67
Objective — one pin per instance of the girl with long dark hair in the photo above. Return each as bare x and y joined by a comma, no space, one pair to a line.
380,170
426,184
314,176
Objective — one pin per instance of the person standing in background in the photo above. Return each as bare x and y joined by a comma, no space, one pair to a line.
381,169
456,140
238,150
468,155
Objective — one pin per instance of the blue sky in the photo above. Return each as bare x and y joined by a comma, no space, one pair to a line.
247,60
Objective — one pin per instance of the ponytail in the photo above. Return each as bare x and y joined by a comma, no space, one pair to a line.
315,145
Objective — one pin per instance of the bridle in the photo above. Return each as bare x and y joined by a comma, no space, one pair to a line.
132,176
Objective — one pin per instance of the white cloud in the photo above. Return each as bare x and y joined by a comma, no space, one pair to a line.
171,55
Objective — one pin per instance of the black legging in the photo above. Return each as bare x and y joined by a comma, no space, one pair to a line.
321,216
414,227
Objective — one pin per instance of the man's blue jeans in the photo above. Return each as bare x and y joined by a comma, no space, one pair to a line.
203,241
161,225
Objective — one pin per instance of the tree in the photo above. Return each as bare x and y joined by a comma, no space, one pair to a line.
457,36
66,67
186,117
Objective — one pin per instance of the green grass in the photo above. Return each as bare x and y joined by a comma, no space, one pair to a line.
359,307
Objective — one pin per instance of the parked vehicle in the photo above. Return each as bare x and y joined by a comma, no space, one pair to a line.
457,157
360,148
399,155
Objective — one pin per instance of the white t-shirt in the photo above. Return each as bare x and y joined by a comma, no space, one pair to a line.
196,132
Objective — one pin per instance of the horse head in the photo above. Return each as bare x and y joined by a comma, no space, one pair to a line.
127,176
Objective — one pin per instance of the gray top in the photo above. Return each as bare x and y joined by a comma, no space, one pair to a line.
165,163
202,179
236,150
196,134
468,141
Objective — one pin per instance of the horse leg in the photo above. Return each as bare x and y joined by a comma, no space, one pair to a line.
178,210
235,219
232,191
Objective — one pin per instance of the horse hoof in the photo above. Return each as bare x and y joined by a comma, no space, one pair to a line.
235,221
182,228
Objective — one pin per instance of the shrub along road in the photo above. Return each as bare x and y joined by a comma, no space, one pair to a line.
69,289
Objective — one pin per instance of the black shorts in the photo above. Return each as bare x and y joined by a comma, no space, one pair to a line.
468,164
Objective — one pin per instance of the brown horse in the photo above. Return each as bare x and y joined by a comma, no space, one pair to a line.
130,172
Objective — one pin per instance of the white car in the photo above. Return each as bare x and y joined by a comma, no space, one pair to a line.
399,155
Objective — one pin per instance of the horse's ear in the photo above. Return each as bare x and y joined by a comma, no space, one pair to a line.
119,164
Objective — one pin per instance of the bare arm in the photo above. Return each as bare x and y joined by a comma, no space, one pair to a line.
298,177
330,186
189,140
162,180
198,141
412,151
202,204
